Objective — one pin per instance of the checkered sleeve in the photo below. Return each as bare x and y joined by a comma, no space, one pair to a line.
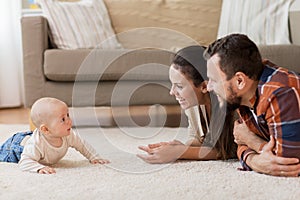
243,152
283,117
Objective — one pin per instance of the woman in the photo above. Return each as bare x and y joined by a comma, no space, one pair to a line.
210,135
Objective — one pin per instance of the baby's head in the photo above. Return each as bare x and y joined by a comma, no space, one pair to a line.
47,111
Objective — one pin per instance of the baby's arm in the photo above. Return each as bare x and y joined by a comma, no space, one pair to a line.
29,160
99,161
46,170
85,149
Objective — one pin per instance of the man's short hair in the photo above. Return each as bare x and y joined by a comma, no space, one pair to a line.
237,54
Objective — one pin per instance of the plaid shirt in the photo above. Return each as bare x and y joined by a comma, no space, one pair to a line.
276,112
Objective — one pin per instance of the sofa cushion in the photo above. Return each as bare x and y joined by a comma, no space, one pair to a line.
287,56
112,65
138,115
196,19
108,65
294,16
265,22
82,24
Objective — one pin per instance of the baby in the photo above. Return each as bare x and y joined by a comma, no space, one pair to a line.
51,139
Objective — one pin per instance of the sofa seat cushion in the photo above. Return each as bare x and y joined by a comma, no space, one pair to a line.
137,115
107,65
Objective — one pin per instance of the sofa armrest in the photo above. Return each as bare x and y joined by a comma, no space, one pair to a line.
35,42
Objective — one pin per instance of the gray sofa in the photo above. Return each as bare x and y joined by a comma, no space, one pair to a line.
127,86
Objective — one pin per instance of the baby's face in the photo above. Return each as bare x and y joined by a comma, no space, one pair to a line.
60,123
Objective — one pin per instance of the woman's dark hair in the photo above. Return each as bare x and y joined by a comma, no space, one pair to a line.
191,63
237,54
220,133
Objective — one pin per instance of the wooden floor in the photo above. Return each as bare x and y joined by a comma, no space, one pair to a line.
14,115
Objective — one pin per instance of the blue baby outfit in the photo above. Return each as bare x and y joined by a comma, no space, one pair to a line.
11,150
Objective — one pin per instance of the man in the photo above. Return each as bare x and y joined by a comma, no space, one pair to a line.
268,101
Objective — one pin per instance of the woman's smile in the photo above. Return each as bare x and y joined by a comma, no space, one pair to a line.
180,99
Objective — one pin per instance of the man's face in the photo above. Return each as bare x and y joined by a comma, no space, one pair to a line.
223,88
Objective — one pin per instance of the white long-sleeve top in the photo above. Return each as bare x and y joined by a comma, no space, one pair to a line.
38,152
195,129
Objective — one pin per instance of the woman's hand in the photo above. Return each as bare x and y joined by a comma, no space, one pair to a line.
156,145
165,152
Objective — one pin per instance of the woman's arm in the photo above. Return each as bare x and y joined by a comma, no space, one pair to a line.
171,152
200,153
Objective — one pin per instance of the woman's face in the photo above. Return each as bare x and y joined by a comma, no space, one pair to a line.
184,90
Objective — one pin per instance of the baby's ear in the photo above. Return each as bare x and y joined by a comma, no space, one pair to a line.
44,128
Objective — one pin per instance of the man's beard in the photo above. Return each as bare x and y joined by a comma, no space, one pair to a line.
233,101
232,106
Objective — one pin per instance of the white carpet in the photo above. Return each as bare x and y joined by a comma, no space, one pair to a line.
127,177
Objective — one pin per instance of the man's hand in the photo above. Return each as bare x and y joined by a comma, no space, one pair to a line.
268,163
242,135
46,170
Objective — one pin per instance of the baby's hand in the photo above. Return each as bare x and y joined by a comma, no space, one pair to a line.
46,170
100,161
